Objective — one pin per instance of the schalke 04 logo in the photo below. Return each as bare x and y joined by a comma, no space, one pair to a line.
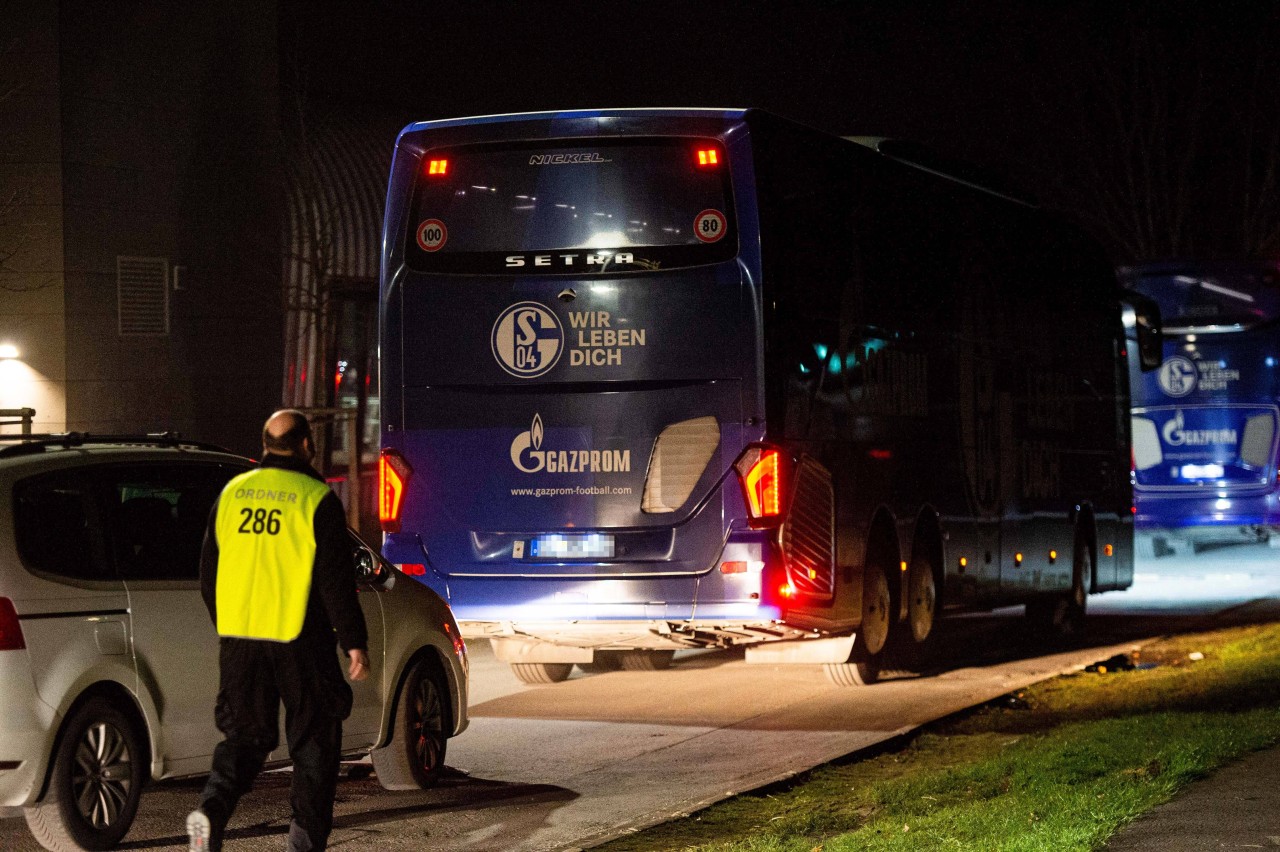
527,340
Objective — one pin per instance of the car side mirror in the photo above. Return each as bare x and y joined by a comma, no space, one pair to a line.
1142,327
370,570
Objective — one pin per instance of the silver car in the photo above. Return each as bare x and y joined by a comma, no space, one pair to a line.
108,661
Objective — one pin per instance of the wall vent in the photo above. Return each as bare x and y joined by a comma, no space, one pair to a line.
142,296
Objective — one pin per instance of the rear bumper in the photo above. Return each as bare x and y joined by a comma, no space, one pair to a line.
1173,511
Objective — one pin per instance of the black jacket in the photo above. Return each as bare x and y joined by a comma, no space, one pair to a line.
332,606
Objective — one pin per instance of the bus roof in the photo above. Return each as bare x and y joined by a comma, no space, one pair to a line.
554,115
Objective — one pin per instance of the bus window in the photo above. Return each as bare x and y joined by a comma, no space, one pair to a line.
561,209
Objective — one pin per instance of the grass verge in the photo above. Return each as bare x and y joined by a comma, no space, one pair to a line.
1062,765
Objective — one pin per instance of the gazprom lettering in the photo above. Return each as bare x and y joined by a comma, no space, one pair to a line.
1175,436
528,456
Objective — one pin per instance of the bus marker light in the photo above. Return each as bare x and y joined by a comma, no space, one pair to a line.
393,476
1053,556
964,563
1017,559
733,567
786,590
708,157
1108,550
902,566
438,167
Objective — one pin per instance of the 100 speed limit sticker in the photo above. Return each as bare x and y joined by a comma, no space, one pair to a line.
432,235
710,226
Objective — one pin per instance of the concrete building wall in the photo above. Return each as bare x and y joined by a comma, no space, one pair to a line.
31,223
170,129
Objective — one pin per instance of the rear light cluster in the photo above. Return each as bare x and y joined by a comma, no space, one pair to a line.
760,470
10,628
393,477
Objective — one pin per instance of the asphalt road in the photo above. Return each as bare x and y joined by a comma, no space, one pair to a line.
571,764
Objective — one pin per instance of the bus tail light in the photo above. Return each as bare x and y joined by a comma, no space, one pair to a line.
393,476
760,471
10,628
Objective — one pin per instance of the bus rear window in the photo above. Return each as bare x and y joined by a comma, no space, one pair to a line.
587,207
1198,300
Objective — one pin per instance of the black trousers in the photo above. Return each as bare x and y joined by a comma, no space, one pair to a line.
255,677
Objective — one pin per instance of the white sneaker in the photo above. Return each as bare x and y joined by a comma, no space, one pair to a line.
198,831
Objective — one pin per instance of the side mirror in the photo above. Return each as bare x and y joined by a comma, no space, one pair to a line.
371,570
1142,327
366,566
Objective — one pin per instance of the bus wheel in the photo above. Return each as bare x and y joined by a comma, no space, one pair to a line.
645,661
922,600
863,667
541,672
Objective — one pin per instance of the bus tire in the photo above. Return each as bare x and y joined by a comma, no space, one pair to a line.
645,661
95,782
863,666
414,758
854,673
537,673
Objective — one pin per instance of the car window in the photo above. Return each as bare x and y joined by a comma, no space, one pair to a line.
156,516
56,524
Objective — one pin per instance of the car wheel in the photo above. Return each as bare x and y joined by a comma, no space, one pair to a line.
94,784
414,758
541,672
646,661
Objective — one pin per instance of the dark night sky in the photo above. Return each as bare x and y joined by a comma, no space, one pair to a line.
1005,84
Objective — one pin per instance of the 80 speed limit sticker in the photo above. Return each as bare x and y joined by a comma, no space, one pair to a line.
432,235
710,225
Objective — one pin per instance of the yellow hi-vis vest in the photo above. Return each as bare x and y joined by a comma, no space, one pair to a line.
266,550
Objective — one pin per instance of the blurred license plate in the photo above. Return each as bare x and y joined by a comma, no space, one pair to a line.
572,546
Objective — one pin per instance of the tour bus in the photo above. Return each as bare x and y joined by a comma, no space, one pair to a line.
1205,424
688,378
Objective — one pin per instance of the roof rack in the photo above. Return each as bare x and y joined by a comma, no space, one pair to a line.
23,444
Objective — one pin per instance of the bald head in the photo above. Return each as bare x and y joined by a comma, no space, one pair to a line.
287,433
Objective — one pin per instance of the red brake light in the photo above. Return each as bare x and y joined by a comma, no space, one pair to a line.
393,476
437,167
760,471
10,628
708,157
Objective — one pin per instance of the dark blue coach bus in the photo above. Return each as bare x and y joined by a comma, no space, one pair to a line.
690,378
1205,424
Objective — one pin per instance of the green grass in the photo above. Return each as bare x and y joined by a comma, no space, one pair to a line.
1080,757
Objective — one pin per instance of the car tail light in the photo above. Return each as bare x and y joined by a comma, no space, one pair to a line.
10,628
393,477
760,472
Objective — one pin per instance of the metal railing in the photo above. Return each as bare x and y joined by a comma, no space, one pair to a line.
17,417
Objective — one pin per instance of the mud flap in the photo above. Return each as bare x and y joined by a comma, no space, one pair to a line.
834,649
531,651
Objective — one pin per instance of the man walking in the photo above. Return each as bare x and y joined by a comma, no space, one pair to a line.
278,575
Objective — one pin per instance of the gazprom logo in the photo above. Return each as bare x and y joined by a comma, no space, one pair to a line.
529,457
1176,434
